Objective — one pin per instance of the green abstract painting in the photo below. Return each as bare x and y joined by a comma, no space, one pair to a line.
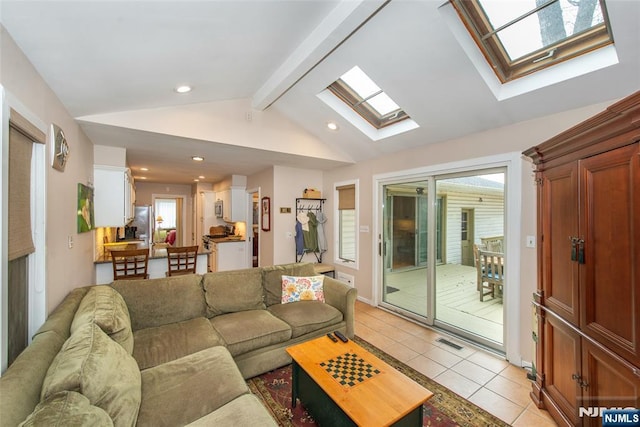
85,208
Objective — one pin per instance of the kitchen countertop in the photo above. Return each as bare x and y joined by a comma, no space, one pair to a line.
224,240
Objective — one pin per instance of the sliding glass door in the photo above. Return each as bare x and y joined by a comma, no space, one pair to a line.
404,246
466,214
473,220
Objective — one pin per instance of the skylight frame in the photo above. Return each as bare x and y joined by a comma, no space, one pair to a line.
357,103
486,38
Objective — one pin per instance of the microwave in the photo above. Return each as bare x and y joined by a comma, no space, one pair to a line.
218,209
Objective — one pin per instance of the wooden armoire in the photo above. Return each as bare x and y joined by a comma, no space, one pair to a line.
588,295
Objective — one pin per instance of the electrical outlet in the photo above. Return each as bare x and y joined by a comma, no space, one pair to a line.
70,241
531,241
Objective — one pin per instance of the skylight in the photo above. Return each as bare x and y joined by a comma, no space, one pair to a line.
520,37
366,98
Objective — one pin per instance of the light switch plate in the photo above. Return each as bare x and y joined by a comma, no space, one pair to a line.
531,241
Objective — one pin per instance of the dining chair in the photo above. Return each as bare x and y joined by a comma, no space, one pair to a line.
130,264
490,267
182,260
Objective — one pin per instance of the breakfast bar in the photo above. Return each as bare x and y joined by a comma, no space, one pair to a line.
156,268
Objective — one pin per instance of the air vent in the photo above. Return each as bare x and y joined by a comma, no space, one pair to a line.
449,343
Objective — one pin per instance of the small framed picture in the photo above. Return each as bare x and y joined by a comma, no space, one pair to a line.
59,148
266,214
85,208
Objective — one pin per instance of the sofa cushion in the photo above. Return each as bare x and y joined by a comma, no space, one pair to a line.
21,384
105,307
306,316
246,410
272,279
162,344
231,291
67,408
61,317
93,364
155,302
184,390
247,330
307,288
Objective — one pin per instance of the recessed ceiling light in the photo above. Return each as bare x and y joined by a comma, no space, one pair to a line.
332,125
196,180
201,177
197,158
144,169
183,89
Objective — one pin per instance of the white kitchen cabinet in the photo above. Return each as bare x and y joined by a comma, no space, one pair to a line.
233,204
113,195
229,256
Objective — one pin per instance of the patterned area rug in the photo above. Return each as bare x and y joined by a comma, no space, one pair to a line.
444,409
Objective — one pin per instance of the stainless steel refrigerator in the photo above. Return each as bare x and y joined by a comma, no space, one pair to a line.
143,222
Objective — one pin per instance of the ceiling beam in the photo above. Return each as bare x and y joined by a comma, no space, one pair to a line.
334,29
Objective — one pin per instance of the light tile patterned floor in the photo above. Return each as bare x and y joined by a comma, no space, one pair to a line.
480,377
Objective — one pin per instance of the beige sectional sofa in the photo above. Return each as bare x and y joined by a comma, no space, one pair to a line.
166,352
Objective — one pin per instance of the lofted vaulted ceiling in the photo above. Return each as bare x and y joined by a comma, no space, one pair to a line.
256,68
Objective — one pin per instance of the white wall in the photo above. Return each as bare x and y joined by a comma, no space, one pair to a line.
28,94
289,184
232,121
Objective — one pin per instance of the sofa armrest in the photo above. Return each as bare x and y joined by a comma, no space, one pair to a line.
342,297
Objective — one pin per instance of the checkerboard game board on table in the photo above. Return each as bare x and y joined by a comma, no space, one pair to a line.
349,369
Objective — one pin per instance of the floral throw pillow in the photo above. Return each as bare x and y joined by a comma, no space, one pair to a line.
302,288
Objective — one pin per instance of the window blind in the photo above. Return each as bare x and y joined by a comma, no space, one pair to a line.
346,197
22,135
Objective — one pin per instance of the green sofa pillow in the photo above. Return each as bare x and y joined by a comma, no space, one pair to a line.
94,365
232,291
67,408
105,307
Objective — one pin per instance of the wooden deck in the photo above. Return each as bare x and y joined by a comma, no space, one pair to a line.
457,299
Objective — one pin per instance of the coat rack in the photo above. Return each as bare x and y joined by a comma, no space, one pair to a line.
304,205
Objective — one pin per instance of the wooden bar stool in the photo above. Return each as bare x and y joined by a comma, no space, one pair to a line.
182,260
130,264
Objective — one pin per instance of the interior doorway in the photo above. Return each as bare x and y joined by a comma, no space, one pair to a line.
170,220
253,228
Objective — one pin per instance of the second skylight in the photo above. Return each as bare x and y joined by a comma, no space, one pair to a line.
365,97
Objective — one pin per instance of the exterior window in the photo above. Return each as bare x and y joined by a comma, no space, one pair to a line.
520,37
166,213
347,243
364,96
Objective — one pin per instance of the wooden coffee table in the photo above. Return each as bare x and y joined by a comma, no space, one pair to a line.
342,384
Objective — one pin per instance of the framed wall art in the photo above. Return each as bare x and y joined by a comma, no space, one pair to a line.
59,148
266,214
85,215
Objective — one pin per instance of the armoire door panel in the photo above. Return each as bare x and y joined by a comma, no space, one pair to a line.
610,281
608,383
559,212
562,364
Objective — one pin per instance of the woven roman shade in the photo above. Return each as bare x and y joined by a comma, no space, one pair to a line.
346,197
22,135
